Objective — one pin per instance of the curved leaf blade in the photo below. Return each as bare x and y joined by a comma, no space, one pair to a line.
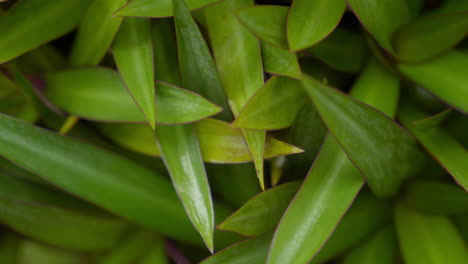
99,94
157,8
96,32
227,37
219,141
311,21
20,35
426,238
444,76
274,106
381,18
262,212
430,35
348,120
133,54
280,61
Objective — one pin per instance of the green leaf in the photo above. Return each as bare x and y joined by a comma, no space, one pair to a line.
165,51
366,215
382,248
219,141
29,24
43,59
183,160
450,199
363,131
280,61
99,94
311,21
426,238
233,184
268,23
130,250
133,54
96,32
197,68
444,76
9,247
130,190
55,218
156,254
157,8
33,252
274,106
430,35
15,102
252,250
324,197
261,213
381,18
242,74
347,58
438,142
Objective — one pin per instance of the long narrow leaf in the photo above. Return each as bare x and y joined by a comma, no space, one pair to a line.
29,24
241,75
133,54
157,8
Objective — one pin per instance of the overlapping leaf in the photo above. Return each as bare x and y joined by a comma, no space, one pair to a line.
133,54
96,32
444,76
29,24
311,21
274,106
428,238
219,141
99,94
364,132
157,8
241,75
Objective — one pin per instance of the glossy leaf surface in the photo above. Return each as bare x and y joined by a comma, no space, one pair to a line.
133,54
19,35
241,75
54,218
219,141
426,238
348,120
311,21
444,76
99,94
261,213
157,8
144,197
274,106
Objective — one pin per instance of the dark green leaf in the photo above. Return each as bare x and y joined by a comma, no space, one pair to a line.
157,8
381,18
364,132
29,24
261,213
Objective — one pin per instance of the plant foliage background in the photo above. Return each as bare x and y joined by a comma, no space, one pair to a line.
233,131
